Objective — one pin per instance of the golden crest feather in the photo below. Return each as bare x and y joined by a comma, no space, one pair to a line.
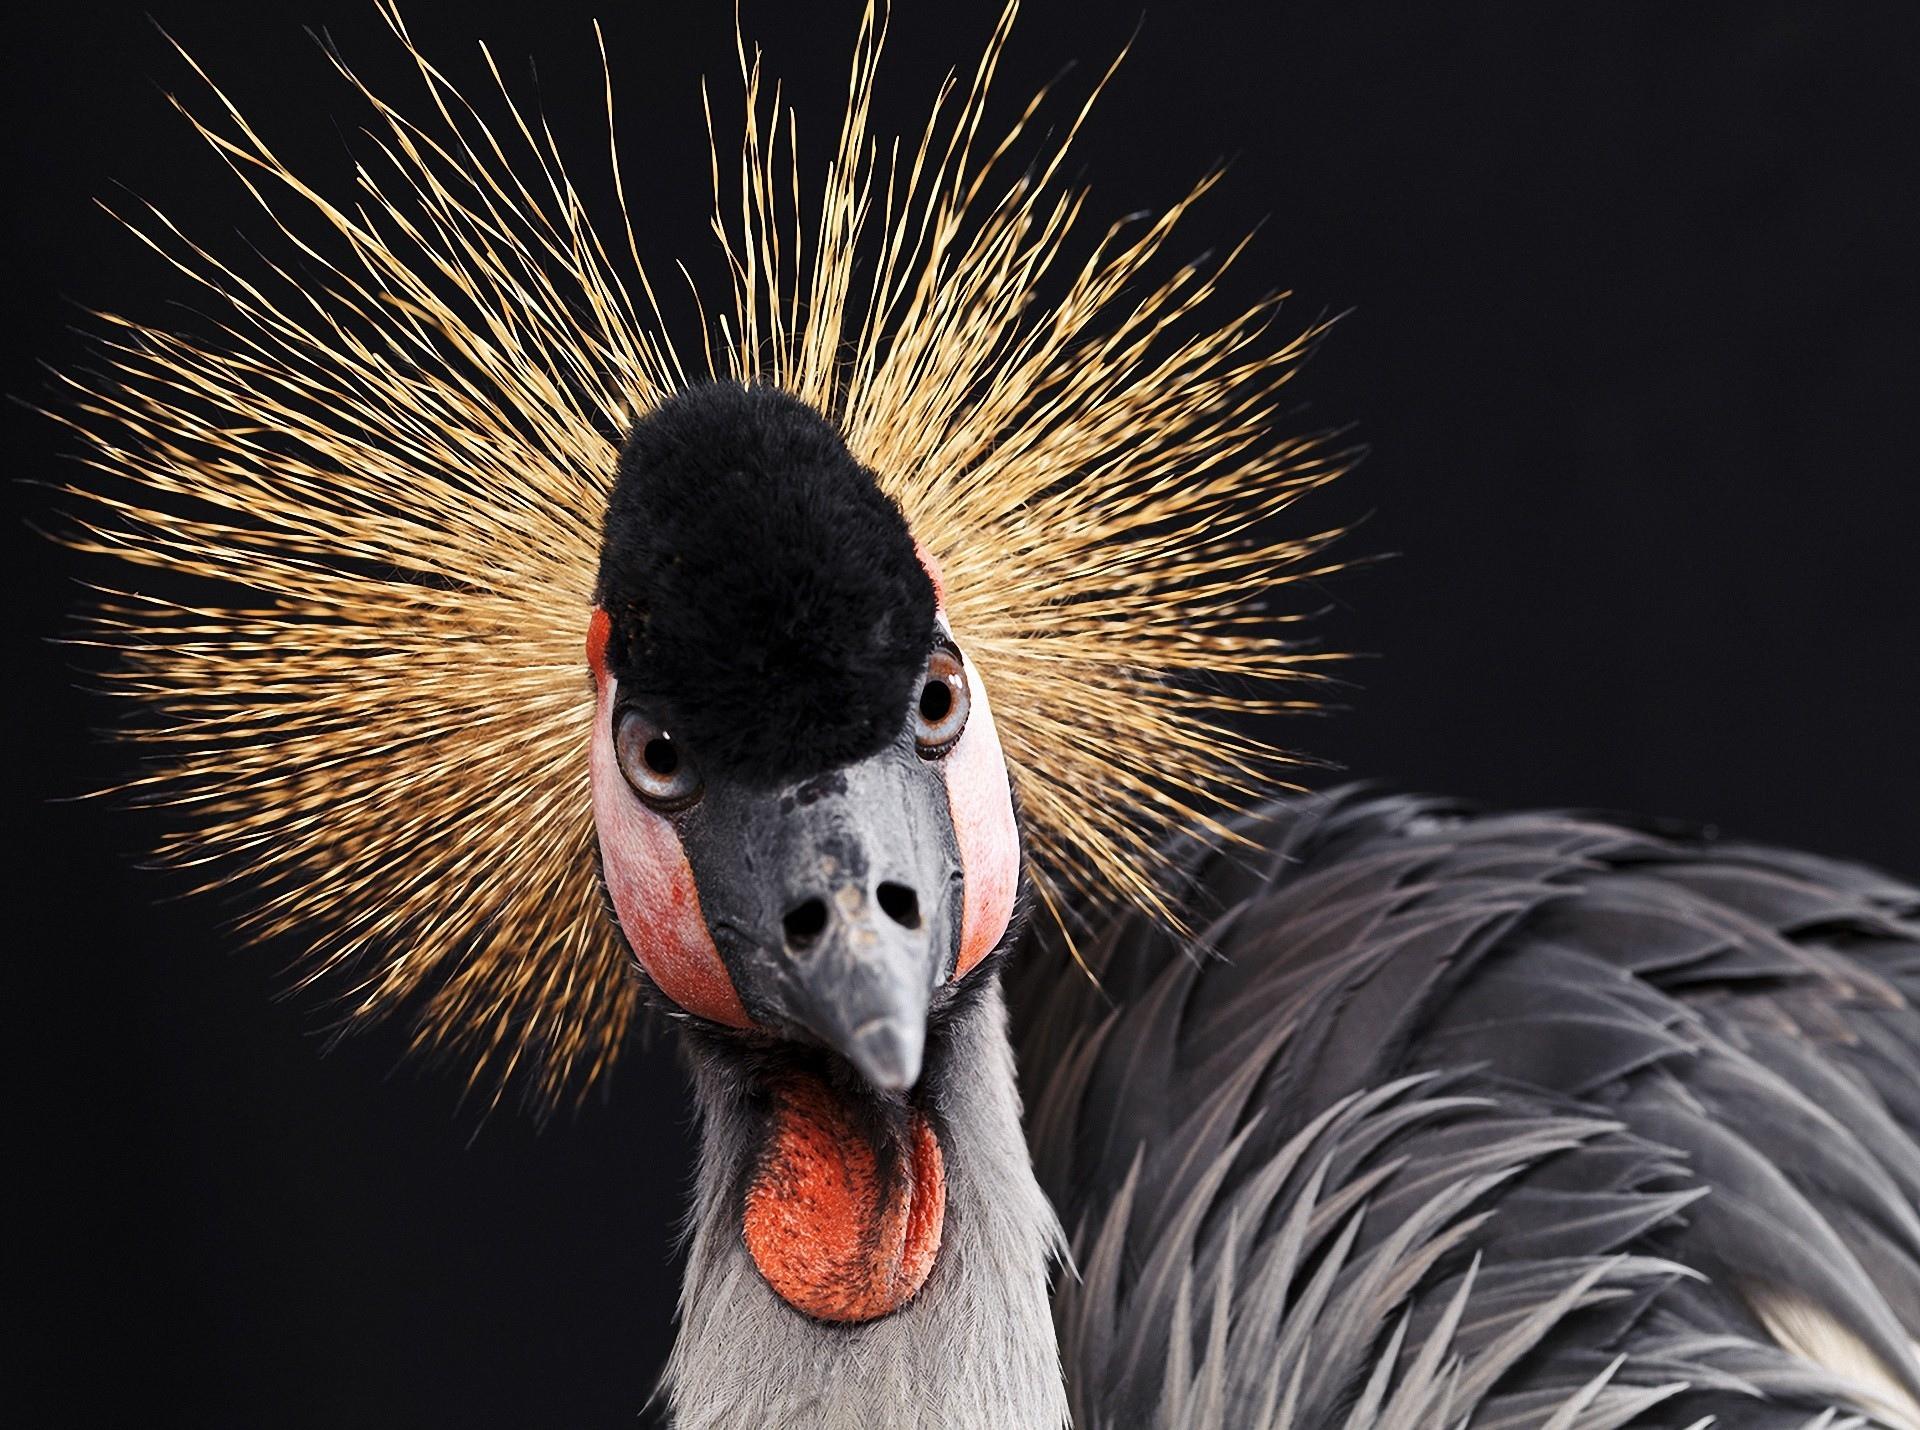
388,463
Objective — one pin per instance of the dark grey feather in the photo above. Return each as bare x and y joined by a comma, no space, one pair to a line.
1501,1120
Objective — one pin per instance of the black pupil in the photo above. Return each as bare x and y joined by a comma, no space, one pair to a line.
661,756
936,701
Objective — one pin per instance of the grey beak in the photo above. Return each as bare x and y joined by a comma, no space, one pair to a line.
887,1052
860,978
836,902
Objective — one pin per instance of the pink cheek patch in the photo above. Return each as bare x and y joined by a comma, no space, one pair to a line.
651,883
982,805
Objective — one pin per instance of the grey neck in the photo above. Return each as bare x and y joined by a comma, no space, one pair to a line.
975,1348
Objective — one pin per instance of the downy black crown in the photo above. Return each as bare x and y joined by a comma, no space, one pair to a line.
766,600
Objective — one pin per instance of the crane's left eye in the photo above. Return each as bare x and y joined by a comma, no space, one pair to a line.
940,709
654,762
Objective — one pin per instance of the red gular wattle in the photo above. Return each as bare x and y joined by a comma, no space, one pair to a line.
843,1229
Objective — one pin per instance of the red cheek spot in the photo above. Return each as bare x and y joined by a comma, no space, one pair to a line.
833,1237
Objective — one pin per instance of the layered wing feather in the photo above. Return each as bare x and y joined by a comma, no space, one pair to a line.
1525,1120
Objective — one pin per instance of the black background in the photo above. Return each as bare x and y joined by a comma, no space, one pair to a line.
1635,344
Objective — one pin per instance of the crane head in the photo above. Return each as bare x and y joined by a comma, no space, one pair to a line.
804,818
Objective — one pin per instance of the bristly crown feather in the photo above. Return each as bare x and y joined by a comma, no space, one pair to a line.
389,462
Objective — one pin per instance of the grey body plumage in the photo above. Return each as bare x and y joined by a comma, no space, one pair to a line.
1449,1119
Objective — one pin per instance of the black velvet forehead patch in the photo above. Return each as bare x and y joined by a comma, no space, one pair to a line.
765,597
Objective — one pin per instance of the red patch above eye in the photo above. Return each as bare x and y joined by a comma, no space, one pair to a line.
598,629
932,568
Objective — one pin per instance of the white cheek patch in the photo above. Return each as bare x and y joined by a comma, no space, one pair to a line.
652,887
981,799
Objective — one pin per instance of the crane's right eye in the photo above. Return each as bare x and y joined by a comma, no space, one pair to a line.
940,712
654,763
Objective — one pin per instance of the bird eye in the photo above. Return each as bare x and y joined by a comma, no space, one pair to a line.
653,762
940,710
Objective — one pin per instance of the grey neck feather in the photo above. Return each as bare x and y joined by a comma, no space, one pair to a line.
975,1348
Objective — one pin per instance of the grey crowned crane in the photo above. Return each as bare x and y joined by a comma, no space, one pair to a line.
550,677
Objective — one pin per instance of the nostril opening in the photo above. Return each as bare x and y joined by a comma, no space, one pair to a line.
901,905
805,922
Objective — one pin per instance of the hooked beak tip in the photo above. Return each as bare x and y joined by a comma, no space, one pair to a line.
887,1052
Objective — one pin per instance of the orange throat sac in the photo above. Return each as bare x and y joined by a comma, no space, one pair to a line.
836,1236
